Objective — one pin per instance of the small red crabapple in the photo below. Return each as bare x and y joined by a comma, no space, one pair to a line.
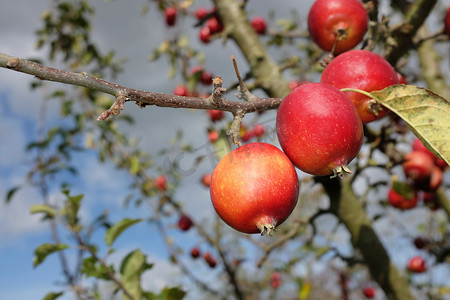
206,179
216,115
171,15
417,264
213,136
259,25
369,292
200,13
181,90
259,130
161,183
185,223
205,35
195,252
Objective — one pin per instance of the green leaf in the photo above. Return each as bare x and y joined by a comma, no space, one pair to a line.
173,293
134,165
11,193
222,145
71,208
43,250
131,269
53,295
426,113
43,208
113,233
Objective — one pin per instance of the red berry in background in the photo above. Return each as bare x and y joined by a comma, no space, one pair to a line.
254,188
210,260
205,34
247,136
206,78
259,130
407,201
214,24
181,90
345,20
447,22
259,25
201,13
185,223
171,15
417,145
216,115
417,264
294,83
369,292
275,280
363,70
319,129
213,136
195,252
417,166
161,183
429,199
206,180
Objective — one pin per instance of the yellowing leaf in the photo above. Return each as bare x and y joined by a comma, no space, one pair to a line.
426,113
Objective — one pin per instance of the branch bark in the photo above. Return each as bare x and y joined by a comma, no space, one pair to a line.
415,16
142,98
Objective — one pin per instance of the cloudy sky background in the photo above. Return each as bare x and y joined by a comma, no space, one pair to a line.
119,26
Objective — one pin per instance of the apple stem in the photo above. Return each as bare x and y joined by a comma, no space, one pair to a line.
359,91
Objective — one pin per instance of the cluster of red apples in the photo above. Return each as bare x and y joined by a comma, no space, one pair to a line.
424,172
254,188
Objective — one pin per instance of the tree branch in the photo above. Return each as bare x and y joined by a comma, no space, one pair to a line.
122,93
415,16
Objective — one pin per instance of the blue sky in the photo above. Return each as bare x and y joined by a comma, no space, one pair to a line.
20,232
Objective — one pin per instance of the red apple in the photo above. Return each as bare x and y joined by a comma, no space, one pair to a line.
181,90
319,129
170,15
259,25
417,264
369,292
205,34
254,188
340,22
210,260
275,280
216,115
206,180
161,183
185,223
201,13
363,70
417,166
213,136
417,145
214,24
195,252
259,130
405,200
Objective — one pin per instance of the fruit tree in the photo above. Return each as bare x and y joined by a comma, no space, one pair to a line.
225,149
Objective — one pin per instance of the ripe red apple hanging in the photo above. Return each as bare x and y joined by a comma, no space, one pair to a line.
337,25
254,188
362,70
319,129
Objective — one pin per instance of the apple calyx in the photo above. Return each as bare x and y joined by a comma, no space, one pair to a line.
267,226
374,107
340,171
